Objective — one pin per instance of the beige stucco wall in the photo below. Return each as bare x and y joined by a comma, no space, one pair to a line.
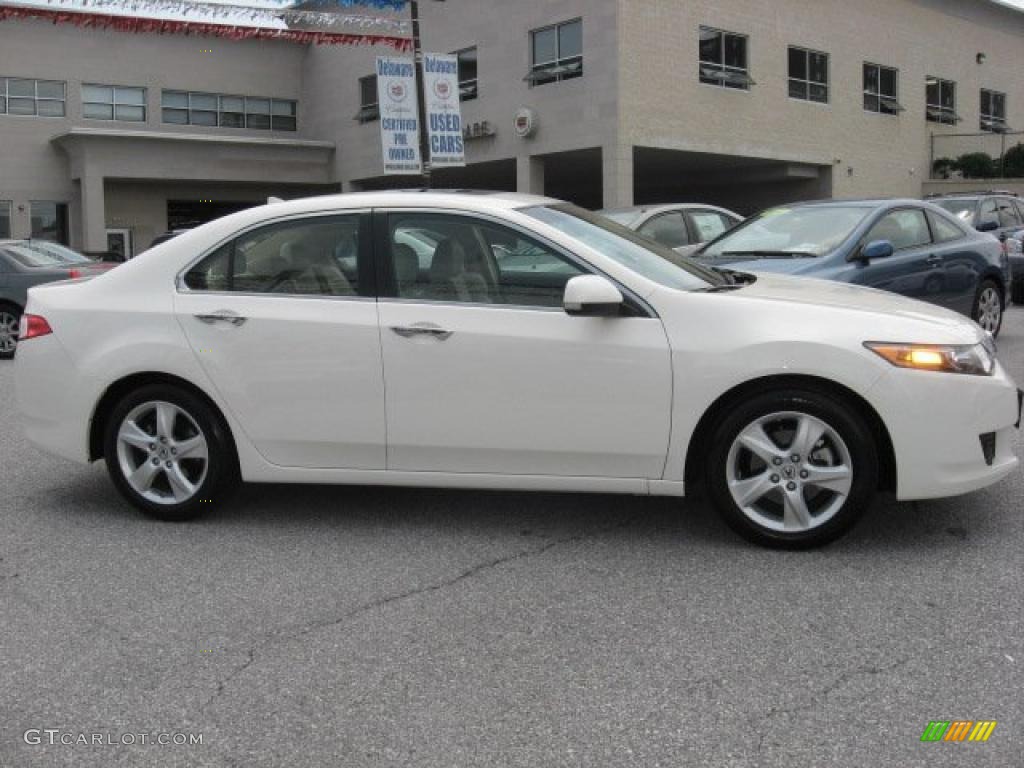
664,105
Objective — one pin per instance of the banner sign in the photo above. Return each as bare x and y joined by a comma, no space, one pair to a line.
444,115
399,115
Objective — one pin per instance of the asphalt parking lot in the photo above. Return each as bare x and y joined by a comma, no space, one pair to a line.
317,626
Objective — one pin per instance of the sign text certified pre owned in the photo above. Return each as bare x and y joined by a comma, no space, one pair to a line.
399,115
444,116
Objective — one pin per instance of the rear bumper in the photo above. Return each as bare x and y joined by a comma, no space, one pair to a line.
936,422
50,411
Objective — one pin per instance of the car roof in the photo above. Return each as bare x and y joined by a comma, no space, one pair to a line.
441,198
659,207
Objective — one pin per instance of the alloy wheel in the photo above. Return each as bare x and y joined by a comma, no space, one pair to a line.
990,309
789,472
8,332
162,453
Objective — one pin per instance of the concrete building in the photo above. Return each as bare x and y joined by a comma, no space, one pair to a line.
108,138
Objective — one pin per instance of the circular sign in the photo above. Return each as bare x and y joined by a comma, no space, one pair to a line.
442,89
397,91
525,123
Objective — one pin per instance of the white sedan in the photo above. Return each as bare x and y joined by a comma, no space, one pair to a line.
541,347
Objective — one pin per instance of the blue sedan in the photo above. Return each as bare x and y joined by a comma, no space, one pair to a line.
905,246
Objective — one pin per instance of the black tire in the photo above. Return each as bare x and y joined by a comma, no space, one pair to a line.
984,288
854,435
9,311
213,486
1017,293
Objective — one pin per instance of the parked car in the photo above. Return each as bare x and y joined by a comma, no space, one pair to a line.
24,263
244,352
904,246
1001,214
680,226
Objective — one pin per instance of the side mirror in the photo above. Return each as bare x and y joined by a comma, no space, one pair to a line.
592,296
876,249
991,225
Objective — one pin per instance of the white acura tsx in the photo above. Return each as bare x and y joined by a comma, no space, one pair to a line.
479,340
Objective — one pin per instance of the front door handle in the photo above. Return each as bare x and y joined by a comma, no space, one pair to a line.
934,260
421,329
222,316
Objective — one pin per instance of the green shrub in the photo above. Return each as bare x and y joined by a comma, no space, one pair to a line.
976,165
1013,162
943,167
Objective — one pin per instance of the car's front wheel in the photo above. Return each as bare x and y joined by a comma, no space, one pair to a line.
791,468
169,453
10,317
988,307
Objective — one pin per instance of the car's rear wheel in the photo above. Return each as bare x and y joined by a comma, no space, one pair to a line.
791,468
10,317
169,452
988,307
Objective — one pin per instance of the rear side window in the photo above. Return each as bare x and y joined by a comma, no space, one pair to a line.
943,229
1008,215
316,256
710,224
904,229
668,229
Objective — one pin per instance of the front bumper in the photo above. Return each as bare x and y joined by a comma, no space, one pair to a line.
936,422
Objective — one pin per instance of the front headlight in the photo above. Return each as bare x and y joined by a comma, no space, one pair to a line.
974,359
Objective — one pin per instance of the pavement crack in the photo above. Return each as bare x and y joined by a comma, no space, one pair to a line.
465,575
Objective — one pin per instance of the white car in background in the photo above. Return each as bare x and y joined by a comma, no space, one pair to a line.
542,348
683,227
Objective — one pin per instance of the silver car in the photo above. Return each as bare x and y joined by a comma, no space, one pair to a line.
24,263
683,227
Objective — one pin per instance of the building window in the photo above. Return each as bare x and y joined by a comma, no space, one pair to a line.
881,89
723,59
556,53
5,218
224,111
808,75
43,98
50,221
468,88
369,106
114,102
993,111
941,101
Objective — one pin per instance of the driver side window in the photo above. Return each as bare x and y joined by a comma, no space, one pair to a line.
315,256
904,229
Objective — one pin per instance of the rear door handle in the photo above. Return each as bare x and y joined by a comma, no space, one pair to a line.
222,316
934,260
421,329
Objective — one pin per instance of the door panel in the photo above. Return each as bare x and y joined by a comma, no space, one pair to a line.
276,320
520,391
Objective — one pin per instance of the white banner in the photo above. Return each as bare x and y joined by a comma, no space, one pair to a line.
399,115
444,116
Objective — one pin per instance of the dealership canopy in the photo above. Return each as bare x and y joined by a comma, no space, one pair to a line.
319,22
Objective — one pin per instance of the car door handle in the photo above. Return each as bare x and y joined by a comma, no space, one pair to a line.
222,316
421,329
934,260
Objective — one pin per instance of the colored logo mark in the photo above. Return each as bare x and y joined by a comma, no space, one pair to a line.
958,730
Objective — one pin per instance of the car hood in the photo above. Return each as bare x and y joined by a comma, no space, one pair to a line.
894,311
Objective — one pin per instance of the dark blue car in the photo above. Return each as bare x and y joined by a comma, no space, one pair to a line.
905,246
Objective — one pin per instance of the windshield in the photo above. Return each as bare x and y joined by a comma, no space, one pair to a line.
625,218
804,231
962,209
645,257
28,257
55,250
